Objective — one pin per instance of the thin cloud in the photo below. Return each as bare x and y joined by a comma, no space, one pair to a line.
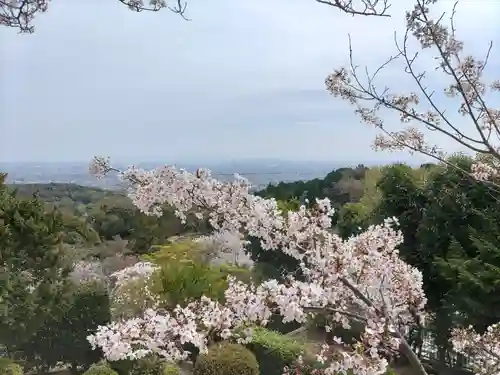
243,79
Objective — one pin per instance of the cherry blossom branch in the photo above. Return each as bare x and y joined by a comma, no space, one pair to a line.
155,6
468,86
20,13
483,350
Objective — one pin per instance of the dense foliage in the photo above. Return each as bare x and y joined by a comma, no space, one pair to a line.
63,338
7,367
341,186
100,369
32,269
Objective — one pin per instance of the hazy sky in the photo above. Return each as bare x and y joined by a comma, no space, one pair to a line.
242,79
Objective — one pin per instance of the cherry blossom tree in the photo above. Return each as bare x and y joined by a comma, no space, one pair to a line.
20,14
361,279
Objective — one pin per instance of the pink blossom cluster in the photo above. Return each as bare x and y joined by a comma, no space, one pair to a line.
165,332
361,278
224,243
99,166
132,297
483,349
140,270
486,168
131,293
87,272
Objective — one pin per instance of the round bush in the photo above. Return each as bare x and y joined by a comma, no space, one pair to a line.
7,367
226,359
100,369
151,365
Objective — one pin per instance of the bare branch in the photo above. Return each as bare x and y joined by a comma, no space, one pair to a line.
365,8
20,14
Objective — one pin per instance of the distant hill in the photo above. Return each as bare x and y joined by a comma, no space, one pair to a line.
55,192
259,172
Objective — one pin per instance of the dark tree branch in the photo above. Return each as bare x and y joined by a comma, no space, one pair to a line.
20,14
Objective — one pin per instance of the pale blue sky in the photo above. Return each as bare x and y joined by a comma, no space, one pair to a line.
243,79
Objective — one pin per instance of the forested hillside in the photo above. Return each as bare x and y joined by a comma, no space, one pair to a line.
96,216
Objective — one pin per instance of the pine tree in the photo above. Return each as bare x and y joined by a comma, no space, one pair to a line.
474,268
33,282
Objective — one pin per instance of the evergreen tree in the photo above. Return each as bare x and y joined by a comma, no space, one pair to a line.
451,234
475,273
63,337
33,283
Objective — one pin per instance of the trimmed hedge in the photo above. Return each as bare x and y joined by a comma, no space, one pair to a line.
7,367
274,350
226,359
100,369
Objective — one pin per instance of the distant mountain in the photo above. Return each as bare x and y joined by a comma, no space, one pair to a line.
259,172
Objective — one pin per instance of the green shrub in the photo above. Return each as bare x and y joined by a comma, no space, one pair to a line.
184,281
100,369
240,273
177,251
7,367
185,275
123,367
151,365
226,359
171,369
274,350
64,337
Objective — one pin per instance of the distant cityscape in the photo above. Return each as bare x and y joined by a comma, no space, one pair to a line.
259,172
